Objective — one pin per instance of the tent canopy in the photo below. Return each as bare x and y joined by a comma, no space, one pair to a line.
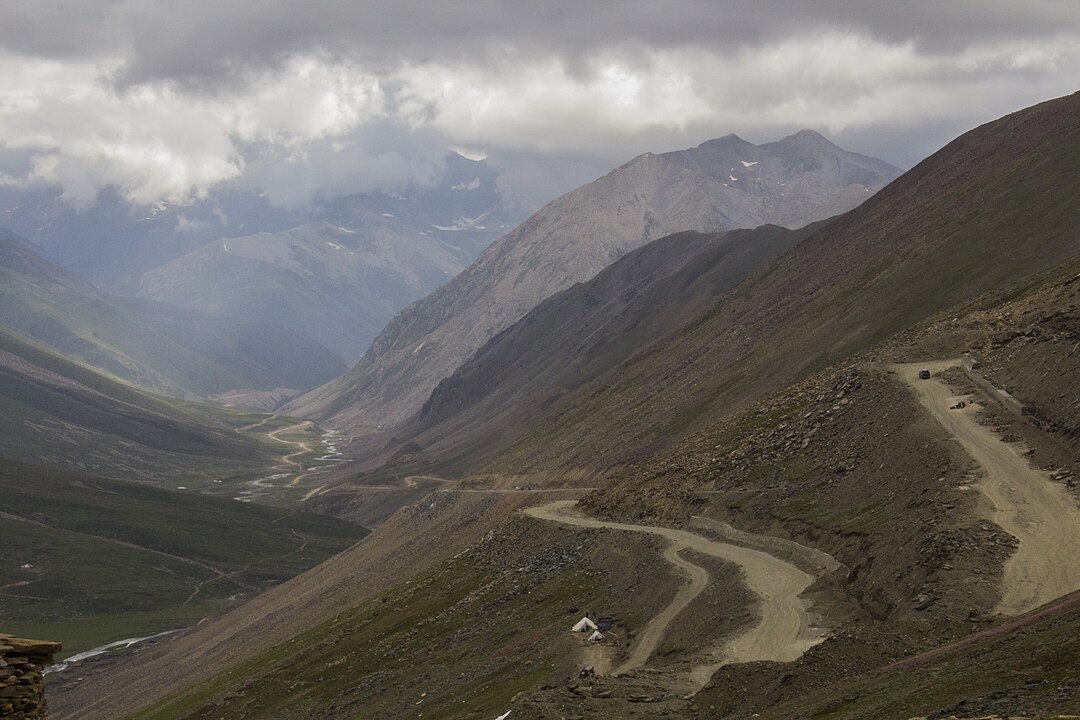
584,625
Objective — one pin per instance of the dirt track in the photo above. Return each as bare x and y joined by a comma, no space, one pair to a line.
303,446
1027,504
782,633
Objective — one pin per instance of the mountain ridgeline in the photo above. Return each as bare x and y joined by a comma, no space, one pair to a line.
720,185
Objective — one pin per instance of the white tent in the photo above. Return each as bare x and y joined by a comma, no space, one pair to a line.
597,636
584,625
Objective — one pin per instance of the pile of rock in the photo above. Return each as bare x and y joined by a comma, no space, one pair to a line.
22,670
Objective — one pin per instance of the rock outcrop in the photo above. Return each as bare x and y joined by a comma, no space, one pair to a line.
22,677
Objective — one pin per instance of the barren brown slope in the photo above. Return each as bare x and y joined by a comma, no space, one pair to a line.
541,363
847,461
993,206
721,185
782,632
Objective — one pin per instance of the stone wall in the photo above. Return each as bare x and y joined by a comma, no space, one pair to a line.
22,677
971,365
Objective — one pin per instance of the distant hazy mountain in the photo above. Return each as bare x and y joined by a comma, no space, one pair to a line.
173,350
340,277
720,185
111,241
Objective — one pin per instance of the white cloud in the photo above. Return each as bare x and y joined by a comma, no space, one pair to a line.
167,116
834,81
157,142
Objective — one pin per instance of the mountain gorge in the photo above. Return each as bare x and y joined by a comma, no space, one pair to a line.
539,361
720,185
541,364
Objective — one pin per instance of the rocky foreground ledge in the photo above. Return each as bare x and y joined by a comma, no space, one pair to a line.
22,672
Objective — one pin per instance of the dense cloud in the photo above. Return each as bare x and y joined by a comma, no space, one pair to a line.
164,100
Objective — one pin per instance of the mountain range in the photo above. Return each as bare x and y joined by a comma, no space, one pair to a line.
339,277
989,208
798,432
720,185
756,390
332,273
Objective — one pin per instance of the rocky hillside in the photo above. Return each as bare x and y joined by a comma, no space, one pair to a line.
341,275
993,206
1025,340
720,185
165,348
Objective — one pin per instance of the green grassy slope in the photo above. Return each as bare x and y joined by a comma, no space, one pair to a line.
458,641
110,559
57,412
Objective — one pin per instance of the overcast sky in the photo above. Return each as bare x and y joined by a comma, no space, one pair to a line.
164,99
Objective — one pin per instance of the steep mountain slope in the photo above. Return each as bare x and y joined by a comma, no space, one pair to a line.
538,365
340,276
720,185
56,412
157,346
996,204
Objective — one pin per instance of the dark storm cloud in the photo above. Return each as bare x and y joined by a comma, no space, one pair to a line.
208,39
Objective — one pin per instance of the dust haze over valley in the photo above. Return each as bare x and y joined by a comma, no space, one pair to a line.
385,360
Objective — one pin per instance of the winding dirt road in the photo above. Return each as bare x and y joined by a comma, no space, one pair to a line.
783,631
303,446
1039,513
